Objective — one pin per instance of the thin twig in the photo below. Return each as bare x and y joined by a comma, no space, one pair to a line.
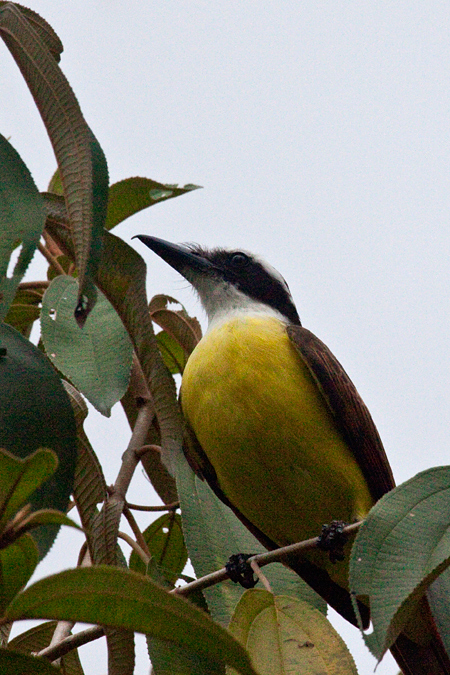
51,244
72,642
130,457
135,546
31,285
82,554
60,634
164,507
63,628
280,554
147,448
262,577
50,259
262,559
277,555
136,531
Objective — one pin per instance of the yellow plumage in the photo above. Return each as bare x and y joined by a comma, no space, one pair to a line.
265,427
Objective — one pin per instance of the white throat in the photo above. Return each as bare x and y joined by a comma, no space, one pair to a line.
222,301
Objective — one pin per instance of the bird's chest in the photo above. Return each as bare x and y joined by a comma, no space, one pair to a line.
264,426
234,376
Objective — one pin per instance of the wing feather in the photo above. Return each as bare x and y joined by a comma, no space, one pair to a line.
349,411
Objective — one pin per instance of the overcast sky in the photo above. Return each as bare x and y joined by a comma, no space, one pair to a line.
320,132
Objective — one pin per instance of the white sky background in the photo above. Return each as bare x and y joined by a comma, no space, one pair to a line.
320,132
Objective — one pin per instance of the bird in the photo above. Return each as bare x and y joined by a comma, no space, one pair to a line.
275,425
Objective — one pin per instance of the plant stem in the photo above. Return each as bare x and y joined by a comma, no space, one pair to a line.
164,507
140,551
136,531
50,259
71,642
130,458
31,285
262,559
79,639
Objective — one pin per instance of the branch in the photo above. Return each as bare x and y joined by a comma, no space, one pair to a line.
136,531
50,259
135,546
63,629
130,458
262,559
72,642
33,285
164,507
262,577
146,448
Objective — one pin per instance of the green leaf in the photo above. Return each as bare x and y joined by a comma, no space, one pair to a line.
437,595
165,542
110,596
65,263
173,354
402,547
104,529
21,317
19,478
121,651
131,195
122,278
17,563
213,533
96,359
55,185
22,220
39,637
36,414
168,659
44,30
159,477
48,517
284,634
185,329
81,161
12,663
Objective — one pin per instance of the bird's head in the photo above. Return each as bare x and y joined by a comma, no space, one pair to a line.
228,281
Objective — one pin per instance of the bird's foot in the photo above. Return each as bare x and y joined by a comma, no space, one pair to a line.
333,539
240,571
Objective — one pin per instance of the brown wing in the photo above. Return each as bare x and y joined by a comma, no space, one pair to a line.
350,413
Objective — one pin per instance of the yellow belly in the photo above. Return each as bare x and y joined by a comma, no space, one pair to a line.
268,432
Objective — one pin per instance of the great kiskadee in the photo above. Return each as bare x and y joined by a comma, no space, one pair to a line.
275,425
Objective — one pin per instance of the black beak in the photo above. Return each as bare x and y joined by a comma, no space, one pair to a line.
180,257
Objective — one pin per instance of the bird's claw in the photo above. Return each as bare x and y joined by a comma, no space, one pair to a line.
333,539
240,571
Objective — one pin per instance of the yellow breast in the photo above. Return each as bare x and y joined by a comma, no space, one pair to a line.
268,432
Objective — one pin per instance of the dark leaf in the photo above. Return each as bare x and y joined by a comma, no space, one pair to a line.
131,195
110,596
402,547
39,637
165,542
97,359
12,663
81,162
36,413
22,219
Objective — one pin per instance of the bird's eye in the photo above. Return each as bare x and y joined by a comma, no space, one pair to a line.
239,260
